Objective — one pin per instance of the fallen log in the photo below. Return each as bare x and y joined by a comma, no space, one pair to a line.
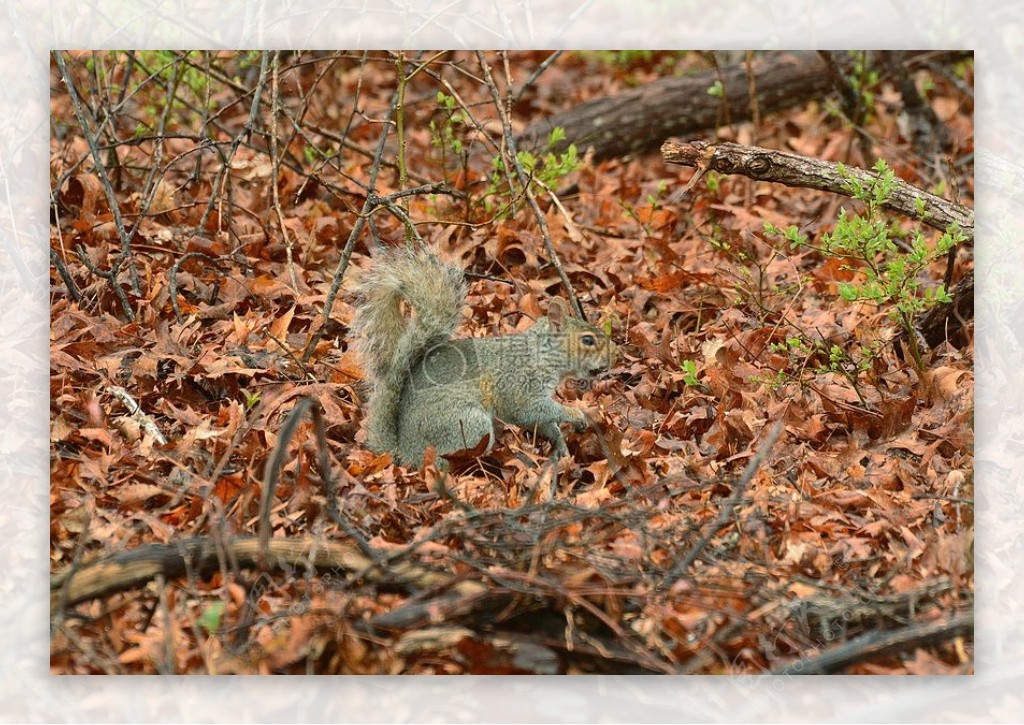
639,119
132,569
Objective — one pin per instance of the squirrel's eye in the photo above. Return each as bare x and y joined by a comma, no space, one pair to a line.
588,340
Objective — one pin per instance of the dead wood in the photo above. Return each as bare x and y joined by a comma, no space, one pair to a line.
639,119
947,320
494,654
132,569
881,644
791,169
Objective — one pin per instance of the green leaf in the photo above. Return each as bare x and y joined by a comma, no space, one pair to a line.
210,619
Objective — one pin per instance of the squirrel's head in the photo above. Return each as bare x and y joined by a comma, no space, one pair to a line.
589,350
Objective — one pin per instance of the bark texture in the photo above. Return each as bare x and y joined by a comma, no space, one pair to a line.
640,119
803,171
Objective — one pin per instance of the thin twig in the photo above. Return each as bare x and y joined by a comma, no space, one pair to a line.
755,105
275,162
152,183
532,78
720,78
111,277
165,664
357,228
272,474
851,99
725,514
225,170
524,180
62,270
101,172
403,176
873,645
61,602
136,413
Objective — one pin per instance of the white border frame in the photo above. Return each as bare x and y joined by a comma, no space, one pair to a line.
30,29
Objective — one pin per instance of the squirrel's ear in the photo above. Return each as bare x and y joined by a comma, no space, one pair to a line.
557,311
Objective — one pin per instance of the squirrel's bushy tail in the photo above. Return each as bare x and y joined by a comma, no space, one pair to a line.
389,343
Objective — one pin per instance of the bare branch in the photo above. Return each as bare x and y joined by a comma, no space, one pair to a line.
101,173
524,180
803,171
725,514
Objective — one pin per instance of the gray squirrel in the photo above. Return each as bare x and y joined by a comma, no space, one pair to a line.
426,388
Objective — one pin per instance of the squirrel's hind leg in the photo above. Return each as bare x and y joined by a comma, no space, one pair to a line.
448,433
472,424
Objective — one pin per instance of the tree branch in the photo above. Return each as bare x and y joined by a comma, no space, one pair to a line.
880,644
791,169
132,569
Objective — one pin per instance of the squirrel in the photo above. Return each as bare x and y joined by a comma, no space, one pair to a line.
428,389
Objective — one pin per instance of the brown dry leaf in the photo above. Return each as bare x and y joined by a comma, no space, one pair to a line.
348,369
594,497
84,191
136,493
163,198
279,327
229,365
946,380
101,435
60,429
945,108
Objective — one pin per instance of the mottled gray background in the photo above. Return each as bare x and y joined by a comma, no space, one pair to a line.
29,29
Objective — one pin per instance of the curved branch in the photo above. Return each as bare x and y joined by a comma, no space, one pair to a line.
874,645
803,171
131,569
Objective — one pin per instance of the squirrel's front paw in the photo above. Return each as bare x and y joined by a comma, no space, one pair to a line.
577,417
